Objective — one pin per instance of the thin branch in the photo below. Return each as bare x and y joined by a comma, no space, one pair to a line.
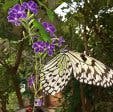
13,72
19,55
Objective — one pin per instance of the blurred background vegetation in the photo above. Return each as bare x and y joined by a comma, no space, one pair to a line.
89,29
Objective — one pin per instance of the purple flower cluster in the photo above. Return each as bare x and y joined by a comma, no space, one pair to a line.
15,14
42,47
38,102
49,48
50,28
31,5
31,80
18,12
58,41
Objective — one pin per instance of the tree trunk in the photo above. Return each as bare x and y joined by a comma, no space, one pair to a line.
82,98
12,70
3,104
17,90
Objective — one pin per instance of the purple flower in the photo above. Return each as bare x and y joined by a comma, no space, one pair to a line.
14,19
50,49
38,102
31,80
16,13
60,41
31,5
25,5
49,28
38,46
42,47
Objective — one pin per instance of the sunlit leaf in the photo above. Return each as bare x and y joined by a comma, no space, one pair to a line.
43,34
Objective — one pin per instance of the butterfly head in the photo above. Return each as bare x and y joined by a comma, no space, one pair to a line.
64,51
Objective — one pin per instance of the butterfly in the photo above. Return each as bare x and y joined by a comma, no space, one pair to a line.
57,72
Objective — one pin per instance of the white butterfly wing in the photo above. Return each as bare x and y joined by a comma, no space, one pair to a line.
89,70
56,74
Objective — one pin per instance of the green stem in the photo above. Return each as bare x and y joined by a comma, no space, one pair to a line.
36,73
20,1
41,4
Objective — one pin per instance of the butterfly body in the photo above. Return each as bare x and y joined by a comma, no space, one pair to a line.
58,71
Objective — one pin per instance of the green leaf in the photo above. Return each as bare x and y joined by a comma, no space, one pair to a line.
43,34
50,14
